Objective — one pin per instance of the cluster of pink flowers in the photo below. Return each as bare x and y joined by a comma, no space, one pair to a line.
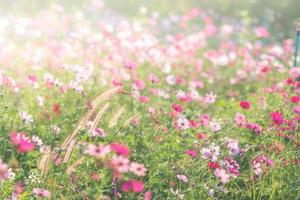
119,163
261,163
241,121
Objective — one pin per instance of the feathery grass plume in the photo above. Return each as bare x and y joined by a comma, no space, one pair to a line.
105,95
69,150
44,161
99,115
127,122
82,122
116,116
79,126
73,167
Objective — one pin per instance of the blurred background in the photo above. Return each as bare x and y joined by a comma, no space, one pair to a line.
278,16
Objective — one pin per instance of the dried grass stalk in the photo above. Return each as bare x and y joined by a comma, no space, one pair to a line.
44,161
105,95
99,116
82,122
116,116
69,151
128,121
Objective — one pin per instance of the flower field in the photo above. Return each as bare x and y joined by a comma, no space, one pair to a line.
96,105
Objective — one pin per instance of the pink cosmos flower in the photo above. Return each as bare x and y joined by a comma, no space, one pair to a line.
191,153
177,107
98,132
21,142
233,147
232,166
120,149
210,98
182,178
204,120
139,84
138,169
222,175
99,151
245,105
133,186
144,99
277,117
240,119
260,163
41,192
182,123
129,64
153,78
26,118
120,164
3,170
215,126
262,32
295,99
254,127
297,110
148,195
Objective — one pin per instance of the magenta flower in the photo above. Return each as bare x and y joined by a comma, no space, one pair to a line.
133,186
120,149
191,153
21,142
277,117
245,105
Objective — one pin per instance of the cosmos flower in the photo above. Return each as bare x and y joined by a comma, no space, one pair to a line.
133,186
26,118
222,175
120,164
277,117
210,98
120,149
245,105
41,192
3,170
97,151
21,142
182,123
191,153
182,178
138,169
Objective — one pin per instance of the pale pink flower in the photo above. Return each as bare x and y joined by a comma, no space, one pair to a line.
3,170
182,178
120,163
240,119
26,118
138,169
99,151
262,32
222,175
41,192
182,123
210,98
215,126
